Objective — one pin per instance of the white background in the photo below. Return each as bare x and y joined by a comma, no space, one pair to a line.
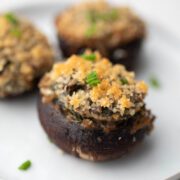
165,12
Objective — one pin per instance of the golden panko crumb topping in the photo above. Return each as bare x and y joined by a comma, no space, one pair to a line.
25,55
99,20
91,83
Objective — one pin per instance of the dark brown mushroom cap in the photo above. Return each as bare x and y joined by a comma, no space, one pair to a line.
93,143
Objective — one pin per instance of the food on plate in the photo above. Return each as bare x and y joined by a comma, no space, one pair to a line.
117,32
154,82
93,109
25,55
25,165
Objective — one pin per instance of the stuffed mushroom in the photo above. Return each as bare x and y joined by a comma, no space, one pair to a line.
25,55
93,109
117,32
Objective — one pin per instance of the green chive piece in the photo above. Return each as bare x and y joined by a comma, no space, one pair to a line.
124,81
154,82
92,79
114,14
11,18
89,57
92,16
24,166
91,30
15,32
110,15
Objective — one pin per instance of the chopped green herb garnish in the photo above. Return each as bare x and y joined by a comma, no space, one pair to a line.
92,16
89,57
124,81
154,82
15,32
91,30
110,15
24,166
11,18
95,16
114,14
92,79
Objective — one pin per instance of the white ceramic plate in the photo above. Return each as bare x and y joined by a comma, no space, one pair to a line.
22,138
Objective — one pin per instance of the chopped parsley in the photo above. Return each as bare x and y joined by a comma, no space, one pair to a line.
94,16
91,30
124,81
154,82
11,18
24,166
16,32
110,15
89,57
92,79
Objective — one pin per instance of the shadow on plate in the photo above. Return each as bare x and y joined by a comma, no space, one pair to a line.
25,97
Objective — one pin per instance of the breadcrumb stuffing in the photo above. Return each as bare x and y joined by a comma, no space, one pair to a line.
25,55
98,20
67,83
142,87
125,102
75,100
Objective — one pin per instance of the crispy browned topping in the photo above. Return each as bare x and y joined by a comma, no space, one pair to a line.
24,55
99,20
67,84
